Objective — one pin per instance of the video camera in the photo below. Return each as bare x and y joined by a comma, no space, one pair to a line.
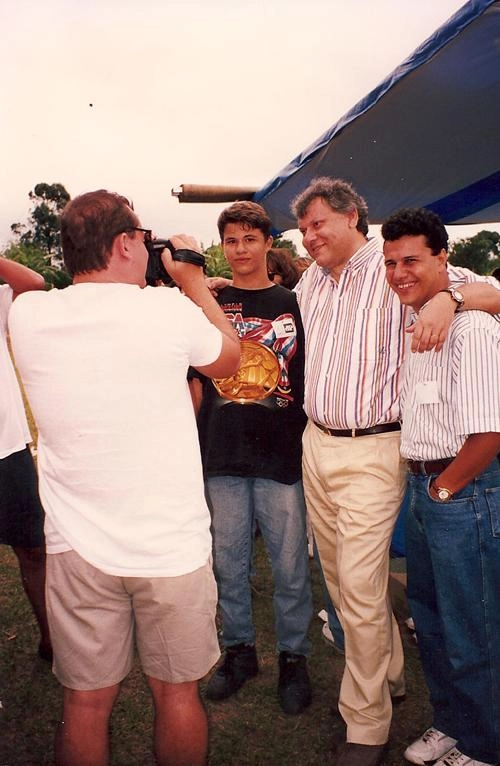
156,271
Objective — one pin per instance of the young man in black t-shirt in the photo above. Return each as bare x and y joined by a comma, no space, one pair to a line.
250,430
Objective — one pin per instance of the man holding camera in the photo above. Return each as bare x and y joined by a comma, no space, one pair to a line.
104,364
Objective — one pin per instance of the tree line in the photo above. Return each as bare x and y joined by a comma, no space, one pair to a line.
36,243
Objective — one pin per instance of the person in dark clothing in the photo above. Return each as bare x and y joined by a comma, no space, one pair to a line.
250,431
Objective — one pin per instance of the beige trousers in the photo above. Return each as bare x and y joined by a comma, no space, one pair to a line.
354,488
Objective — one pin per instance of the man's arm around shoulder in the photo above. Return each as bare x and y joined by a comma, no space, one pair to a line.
481,296
434,320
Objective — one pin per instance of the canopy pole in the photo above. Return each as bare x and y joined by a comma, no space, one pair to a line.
211,193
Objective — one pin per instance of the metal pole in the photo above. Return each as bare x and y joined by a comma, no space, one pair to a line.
211,193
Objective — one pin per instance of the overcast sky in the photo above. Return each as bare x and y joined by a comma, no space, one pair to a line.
139,96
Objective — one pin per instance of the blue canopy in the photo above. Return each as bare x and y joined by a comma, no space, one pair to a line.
427,136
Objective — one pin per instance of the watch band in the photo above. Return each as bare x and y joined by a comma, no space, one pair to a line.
456,295
443,493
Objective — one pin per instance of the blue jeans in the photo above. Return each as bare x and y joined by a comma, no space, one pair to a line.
279,509
453,560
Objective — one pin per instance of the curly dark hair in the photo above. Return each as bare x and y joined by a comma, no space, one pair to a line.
416,221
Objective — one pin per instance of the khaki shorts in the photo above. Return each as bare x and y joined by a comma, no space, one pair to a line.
93,617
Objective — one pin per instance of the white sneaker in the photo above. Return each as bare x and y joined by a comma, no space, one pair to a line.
455,758
429,747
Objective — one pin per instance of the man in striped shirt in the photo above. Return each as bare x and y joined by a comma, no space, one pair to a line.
450,405
354,476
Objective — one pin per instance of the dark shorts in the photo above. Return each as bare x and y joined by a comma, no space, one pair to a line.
21,513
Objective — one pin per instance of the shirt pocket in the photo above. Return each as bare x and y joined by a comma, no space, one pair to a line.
376,333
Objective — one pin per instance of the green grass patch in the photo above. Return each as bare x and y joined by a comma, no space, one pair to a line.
247,730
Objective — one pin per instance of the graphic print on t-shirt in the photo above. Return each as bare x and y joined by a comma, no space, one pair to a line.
267,346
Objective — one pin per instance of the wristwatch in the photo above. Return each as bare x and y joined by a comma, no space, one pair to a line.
444,495
456,295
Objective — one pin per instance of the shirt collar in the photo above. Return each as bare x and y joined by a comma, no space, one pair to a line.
360,257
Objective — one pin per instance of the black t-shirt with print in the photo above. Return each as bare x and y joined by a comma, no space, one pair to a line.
251,424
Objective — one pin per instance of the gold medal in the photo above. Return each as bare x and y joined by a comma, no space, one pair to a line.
256,378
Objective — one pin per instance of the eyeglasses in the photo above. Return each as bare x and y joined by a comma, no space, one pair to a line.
148,234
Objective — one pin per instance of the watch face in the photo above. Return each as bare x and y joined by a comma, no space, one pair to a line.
444,494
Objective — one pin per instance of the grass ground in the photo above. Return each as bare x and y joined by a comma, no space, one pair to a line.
247,730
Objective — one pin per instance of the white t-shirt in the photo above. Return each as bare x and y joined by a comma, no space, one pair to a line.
14,431
104,367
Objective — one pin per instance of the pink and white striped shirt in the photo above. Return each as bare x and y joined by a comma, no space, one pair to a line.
355,341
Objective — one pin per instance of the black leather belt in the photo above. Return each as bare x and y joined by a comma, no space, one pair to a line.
382,429
428,467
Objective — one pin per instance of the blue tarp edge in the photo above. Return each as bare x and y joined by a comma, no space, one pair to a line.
442,36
